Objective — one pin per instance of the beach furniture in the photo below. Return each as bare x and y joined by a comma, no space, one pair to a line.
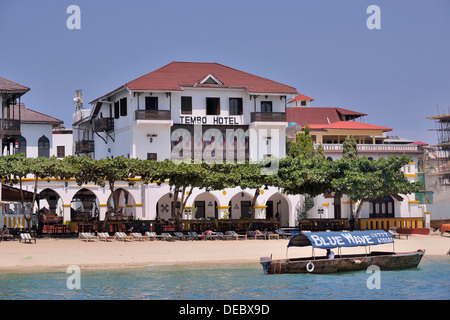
104,236
167,236
153,236
223,236
271,235
86,236
138,236
195,236
181,235
283,234
396,235
122,236
26,237
236,236
256,235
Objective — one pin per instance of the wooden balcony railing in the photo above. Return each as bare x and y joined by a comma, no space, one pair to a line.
9,127
268,116
104,124
153,115
84,146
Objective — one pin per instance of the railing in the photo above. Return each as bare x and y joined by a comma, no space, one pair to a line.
387,223
153,115
10,126
104,124
268,116
84,146
373,147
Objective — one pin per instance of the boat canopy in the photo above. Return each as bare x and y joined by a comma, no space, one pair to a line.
329,240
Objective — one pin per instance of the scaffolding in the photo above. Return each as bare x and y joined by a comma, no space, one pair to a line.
442,149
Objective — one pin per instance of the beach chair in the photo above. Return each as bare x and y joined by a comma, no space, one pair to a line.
167,236
181,236
396,235
26,237
153,236
256,235
122,236
236,236
137,236
283,234
104,236
271,235
195,236
223,236
86,236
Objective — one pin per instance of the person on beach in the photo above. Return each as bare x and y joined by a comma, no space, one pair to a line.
4,232
208,234
330,254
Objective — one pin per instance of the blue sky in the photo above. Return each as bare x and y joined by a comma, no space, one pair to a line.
398,75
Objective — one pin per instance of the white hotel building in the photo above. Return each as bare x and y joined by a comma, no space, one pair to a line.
186,110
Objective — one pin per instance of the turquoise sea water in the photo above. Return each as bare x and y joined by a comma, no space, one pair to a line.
431,281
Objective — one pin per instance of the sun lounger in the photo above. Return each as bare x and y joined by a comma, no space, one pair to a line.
223,236
86,236
181,236
122,236
256,235
168,237
137,236
283,234
195,236
104,236
396,235
271,235
26,237
236,236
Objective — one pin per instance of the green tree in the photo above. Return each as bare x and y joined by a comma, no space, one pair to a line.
303,146
362,179
350,148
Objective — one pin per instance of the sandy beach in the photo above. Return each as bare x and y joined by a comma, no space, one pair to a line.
51,254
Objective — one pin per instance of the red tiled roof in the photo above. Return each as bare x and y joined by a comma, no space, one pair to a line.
11,86
300,97
420,143
318,115
31,116
353,125
176,75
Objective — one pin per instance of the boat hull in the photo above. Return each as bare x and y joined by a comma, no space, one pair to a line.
384,260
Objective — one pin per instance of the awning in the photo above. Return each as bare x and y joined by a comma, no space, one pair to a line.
13,194
328,240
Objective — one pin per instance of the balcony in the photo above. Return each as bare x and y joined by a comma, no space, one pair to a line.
84,146
153,115
9,127
394,148
104,124
268,116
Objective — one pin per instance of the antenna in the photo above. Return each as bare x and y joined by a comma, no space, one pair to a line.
78,99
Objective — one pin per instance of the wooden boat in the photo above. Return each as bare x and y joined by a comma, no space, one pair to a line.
342,263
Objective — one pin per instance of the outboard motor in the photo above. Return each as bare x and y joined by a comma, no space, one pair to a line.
266,262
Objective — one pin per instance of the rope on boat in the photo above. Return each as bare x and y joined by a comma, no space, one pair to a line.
441,264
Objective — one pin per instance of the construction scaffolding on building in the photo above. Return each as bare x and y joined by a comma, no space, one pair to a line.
442,149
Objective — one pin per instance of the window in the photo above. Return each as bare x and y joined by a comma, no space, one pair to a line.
303,103
123,107
266,106
116,110
235,106
22,145
44,147
60,151
151,103
186,105
212,106
152,156
382,207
